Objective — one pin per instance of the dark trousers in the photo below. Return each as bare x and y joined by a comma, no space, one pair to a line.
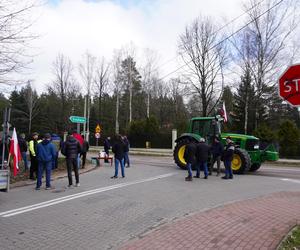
72,163
213,160
48,167
228,169
55,161
33,167
83,158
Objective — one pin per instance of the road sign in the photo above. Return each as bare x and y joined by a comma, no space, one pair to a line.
289,85
98,128
77,119
97,135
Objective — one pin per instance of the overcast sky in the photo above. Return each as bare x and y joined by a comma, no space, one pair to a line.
73,27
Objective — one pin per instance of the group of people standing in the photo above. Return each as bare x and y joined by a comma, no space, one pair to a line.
197,154
44,155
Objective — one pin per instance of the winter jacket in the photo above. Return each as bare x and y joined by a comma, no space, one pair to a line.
71,148
106,145
79,138
127,145
45,151
22,144
33,147
228,152
85,147
119,149
203,151
190,153
217,149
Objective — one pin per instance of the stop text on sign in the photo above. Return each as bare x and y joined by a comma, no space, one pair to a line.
288,85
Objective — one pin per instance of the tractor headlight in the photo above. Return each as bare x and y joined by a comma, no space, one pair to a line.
256,146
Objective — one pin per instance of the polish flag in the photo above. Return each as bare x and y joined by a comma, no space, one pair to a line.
15,151
224,113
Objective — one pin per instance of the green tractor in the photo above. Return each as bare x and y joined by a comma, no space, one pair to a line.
247,156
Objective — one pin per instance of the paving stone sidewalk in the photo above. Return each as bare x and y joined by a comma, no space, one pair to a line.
259,223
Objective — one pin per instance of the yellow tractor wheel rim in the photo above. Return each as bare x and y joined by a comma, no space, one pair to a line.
236,163
181,154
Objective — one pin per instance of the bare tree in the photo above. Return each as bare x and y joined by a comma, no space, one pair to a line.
129,52
149,75
101,81
63,84
15,37
86,70
205,58
117,84
261,48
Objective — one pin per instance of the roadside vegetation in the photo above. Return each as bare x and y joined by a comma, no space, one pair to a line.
292,241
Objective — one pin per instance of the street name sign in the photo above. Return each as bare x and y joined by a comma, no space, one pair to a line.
289,85
77,119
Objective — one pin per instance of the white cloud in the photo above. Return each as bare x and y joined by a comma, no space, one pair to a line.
75,26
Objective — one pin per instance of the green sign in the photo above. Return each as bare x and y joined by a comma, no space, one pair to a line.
77,119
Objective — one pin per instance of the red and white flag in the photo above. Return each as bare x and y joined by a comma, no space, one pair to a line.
15,151
224,113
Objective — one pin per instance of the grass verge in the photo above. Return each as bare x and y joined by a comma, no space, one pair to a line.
292,240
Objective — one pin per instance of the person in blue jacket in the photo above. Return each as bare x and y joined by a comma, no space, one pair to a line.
46,154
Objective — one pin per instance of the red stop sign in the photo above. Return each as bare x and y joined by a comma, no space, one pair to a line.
289,85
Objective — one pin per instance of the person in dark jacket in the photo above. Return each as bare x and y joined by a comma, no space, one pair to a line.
126,153
85,149
46,154
119,149
203,151
33,158
106,148
56,141
190,158
71,148
227,158
217,151
23,149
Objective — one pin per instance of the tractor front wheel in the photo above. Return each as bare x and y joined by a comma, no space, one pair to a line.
241,161
255,167
179,153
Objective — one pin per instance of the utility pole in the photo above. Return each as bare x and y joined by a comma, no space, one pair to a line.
84,114
130,92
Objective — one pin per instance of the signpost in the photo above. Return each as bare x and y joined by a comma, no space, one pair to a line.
77,119
289,85
97,133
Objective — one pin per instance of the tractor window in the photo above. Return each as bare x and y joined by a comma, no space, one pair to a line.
201,127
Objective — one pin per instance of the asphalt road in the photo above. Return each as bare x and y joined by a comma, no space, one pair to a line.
105,213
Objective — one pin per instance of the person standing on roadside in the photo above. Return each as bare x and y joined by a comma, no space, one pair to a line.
119,151
217,151
202,157
228,157
79,138
33,159
106,148
56,141
71,149
190,158
23,149
85,149
126,152
46,154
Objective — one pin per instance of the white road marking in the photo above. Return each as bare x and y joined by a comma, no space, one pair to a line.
291,180
22,210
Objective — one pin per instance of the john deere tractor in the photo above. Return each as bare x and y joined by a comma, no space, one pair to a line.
247,156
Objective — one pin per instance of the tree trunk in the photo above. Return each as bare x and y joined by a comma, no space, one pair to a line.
148,105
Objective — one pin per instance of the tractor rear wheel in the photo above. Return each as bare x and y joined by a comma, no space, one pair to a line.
255,167
179,153
241,161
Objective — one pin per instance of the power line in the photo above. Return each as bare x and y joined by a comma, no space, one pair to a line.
226,38
224,26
